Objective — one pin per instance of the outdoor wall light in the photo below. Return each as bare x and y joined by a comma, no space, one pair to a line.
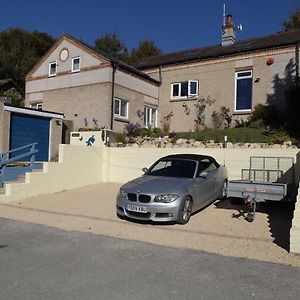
257,80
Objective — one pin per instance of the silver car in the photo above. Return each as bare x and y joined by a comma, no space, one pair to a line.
172,189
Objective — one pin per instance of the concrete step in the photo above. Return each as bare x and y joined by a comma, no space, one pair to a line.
21,179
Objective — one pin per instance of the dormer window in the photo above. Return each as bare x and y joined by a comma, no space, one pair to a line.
52,68
75,64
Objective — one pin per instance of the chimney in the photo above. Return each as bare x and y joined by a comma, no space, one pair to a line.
228,33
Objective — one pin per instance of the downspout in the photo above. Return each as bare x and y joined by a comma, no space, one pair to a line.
160,76
114,69
297,64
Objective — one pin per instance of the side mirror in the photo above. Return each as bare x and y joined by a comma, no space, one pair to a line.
145,170
203,174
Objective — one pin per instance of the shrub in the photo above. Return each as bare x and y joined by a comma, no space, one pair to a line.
222,119
120,138
132,130
279,137
265,115
151,132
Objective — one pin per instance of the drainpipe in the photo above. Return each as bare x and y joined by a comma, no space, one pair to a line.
297,64
114,69
160,76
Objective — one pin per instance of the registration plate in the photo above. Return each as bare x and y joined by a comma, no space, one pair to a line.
139,209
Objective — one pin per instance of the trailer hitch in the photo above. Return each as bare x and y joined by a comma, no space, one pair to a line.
251,205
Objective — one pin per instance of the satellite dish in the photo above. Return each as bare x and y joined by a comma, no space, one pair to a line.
240,27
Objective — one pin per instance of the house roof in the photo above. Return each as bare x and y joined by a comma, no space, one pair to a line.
97,53
278,40
32,111
119,64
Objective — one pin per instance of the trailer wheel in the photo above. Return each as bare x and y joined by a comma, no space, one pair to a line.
250,217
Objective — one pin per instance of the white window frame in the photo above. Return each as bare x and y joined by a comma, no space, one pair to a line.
49,70
73,59
118,102
190,94
236,81
147,123
37,106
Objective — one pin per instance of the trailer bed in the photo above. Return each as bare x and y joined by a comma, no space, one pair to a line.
261,191
267,179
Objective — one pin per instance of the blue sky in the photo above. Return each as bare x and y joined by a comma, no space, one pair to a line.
172,24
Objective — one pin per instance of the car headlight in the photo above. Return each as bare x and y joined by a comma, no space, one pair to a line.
122,194
165,198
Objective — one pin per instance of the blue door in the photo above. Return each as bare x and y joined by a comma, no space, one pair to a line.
27,129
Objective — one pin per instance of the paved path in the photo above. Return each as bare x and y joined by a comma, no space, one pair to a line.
40,262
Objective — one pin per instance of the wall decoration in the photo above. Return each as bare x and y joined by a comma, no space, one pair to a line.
90,141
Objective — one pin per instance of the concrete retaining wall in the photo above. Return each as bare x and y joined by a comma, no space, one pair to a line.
295,230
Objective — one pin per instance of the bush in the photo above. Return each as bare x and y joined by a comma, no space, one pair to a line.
279,137
132,130
120,138
151,132
265,116
222,119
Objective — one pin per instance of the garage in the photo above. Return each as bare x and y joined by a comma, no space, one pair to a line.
23,126
27,129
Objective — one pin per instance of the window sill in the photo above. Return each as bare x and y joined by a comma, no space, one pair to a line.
120,119
242,112
184,99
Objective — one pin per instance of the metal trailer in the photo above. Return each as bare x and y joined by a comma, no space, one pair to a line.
267,179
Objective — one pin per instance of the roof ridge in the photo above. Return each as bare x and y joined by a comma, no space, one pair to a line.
275,40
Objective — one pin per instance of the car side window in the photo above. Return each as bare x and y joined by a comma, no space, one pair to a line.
206,165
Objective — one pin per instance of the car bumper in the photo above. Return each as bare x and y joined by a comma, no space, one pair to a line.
157,212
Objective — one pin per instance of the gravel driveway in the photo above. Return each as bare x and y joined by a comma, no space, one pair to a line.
220,228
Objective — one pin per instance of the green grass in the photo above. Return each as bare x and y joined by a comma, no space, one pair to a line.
234,135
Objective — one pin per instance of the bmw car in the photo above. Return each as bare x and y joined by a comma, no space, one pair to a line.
172,189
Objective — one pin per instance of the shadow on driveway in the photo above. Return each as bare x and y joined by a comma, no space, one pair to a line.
280,216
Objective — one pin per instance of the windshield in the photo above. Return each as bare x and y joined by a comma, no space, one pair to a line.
173,168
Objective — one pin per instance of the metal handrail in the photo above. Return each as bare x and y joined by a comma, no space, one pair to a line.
4,158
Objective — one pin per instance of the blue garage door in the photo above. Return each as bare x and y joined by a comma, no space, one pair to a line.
27,129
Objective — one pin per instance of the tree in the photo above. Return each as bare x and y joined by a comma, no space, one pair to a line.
145,49
293,22
111,44
19,52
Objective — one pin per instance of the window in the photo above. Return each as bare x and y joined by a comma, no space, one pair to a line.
184,89
52,68
38,106
76,64
243,92
121,108
150,117
206,165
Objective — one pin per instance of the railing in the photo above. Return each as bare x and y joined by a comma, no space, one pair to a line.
6,158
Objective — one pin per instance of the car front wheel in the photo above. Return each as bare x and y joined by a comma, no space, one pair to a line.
185,210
